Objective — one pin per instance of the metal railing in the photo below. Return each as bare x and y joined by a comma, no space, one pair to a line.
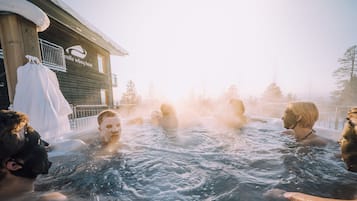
52,55
329,117
114,80
84,115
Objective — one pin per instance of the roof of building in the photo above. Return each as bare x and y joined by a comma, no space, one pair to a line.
28,11
62,13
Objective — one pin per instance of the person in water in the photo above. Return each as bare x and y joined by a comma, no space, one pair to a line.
23,157
165,118
155,118
348,151
168,120
348,141
109,126
15,132
299,119
233,116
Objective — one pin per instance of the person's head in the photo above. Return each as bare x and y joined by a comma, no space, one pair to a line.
29,162
156,117
12,132
109,126
167,109
19,143
302,114
352,114
349,140
237,106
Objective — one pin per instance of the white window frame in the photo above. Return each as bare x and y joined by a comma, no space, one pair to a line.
100,59
103,96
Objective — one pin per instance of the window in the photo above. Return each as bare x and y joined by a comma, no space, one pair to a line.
114,80
103,97
100,64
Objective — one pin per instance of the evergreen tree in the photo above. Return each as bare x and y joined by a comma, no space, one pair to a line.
346,92
291,97
130,96
272,93
232,92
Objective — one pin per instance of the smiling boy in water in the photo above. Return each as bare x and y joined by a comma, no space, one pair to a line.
109,126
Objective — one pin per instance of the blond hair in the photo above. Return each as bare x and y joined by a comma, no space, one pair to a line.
306,111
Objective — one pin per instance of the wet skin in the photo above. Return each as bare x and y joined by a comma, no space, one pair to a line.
110,129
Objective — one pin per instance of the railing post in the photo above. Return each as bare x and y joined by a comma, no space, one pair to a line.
336,118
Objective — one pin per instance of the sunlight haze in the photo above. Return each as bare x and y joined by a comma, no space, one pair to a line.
178,47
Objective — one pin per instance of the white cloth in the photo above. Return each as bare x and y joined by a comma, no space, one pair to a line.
39,96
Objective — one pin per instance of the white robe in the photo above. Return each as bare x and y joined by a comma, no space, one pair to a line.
39,96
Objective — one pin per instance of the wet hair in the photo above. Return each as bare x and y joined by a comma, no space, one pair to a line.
238,106
106,113
167,109
11,143
307,111
10,124
34,161
348,144
352,112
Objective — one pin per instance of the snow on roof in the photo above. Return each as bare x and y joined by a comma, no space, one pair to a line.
28,11
70,11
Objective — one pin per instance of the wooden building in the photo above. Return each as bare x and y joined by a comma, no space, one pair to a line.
77,53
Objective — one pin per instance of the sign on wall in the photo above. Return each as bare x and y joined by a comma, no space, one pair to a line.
77,54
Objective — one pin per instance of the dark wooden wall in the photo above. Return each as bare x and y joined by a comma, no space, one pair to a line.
4,96
81,84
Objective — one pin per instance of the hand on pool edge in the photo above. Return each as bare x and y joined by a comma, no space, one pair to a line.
275,194
296,196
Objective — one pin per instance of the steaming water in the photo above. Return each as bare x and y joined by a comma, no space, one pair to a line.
201,162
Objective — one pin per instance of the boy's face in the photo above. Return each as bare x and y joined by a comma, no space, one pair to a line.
110,129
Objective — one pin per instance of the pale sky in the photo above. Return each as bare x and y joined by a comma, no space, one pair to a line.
180,46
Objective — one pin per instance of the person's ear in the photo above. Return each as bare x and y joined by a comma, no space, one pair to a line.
12,165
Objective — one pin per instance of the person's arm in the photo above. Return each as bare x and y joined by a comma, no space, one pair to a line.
295,196
53,196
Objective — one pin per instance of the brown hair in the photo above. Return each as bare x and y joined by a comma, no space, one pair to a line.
10,124
106,113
